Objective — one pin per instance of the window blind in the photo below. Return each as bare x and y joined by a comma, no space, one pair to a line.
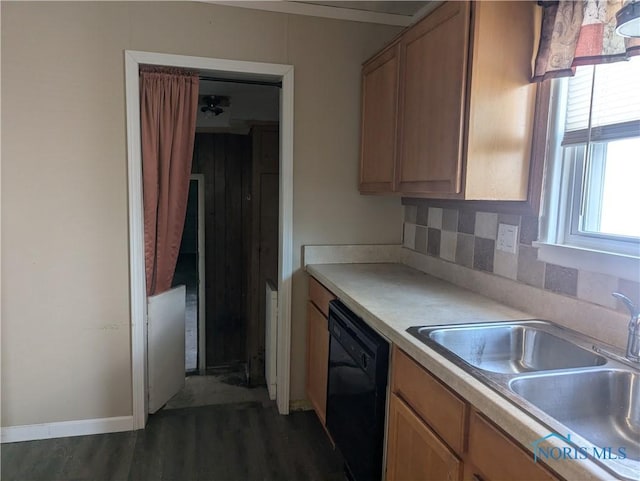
614,108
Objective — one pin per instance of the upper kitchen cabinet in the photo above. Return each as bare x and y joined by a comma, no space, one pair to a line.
465,106
431,106
379,119
502,101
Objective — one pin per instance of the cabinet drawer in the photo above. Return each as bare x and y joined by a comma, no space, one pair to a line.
498,457
320,296
443,410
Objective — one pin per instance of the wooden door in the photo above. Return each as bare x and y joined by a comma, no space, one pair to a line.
379,120
263,244
414,452
432,101
317,360
225,161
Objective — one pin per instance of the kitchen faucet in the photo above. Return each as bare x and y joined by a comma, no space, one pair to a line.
633,343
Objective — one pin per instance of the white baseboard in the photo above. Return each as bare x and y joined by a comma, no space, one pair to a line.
272,391
83,427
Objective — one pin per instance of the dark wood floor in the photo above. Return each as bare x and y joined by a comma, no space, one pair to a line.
246,441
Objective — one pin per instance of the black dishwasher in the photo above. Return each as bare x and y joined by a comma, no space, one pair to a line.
356,392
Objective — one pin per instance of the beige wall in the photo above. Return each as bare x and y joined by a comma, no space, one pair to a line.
65,291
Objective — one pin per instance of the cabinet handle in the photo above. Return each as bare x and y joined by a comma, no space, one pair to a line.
476,477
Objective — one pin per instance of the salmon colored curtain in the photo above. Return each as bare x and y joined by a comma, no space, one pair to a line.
580,32
168,108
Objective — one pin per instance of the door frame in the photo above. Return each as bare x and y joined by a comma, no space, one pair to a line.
202,325
138,307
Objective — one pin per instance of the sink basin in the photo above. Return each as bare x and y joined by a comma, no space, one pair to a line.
557,376
602,406
515,348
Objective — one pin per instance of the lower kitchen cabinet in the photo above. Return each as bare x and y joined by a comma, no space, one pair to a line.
318,346
434,434
492,455
317,357
414,452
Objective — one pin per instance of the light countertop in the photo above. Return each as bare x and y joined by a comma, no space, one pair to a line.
393,297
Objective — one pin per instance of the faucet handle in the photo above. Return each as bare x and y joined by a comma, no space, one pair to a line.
633,309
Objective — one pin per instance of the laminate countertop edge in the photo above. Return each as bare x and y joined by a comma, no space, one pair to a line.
346,280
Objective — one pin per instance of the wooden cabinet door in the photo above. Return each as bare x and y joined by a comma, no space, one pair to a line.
317,360
432,102
501,102
414,452
379,119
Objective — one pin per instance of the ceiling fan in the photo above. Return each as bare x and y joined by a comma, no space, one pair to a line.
214,104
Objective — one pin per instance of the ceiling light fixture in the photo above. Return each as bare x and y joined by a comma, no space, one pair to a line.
213,103
628,20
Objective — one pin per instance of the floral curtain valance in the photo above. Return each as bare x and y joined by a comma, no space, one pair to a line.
578,33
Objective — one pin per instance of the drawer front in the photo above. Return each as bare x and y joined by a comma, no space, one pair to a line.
320,296
443,410
497,457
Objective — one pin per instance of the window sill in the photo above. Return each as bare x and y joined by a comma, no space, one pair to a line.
616,265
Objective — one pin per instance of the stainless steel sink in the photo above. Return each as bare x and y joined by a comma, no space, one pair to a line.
603,406
571,383
513,348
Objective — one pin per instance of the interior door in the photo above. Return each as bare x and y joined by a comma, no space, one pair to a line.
165,330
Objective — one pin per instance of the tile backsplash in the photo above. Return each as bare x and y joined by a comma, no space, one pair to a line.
469,238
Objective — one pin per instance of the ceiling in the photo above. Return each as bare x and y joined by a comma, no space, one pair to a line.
395,8
399,13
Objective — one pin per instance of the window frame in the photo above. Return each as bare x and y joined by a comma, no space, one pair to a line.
560,241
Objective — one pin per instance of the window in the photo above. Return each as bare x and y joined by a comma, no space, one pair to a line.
592,199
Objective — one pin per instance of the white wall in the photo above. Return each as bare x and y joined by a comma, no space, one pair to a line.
65,309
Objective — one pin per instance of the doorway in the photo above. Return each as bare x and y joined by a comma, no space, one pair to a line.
225,162
239,174
230,69
236,151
